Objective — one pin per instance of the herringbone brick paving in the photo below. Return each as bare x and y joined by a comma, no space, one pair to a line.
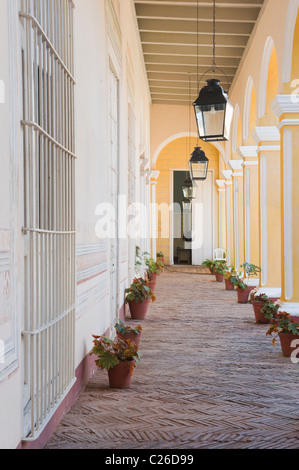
209,379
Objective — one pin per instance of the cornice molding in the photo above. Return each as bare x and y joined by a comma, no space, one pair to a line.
266,134
248,151
285,104
236,165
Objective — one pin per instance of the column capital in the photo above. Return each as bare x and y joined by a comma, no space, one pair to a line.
221,185
285,104
267,138
237,168
266,134
228,177
154,175
249,155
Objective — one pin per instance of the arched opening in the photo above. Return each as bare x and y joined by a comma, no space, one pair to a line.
290,46
250,113
173,225
268,86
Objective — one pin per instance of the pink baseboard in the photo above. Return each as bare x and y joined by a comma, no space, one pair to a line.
84,372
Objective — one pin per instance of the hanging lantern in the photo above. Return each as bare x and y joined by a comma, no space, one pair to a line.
189,189
214,112
187,204
198,165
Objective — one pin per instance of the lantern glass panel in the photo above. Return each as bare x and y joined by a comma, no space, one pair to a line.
190,191
210,120
199,170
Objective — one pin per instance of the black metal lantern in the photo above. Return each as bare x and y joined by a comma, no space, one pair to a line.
214,112
187,204
189,189
198,165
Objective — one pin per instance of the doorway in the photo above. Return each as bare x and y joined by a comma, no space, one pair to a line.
193,227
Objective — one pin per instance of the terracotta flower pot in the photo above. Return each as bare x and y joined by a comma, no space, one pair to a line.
121,375
243,294
152,281
139,310
219,277
135,338
259,316
229,285
286,340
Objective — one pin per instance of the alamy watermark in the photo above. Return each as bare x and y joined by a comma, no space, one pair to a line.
295,93
295,353
133,221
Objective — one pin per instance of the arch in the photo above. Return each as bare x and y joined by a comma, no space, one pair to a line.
167,141
295,58
235,128
268,49
249,116
289,40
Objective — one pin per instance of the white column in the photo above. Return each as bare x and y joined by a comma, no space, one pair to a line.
153,183
286,108
237,177
250,170
221,191
268,140
228,197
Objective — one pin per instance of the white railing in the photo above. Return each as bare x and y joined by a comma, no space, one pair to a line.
49,208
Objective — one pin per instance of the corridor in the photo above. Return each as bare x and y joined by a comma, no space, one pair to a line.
209,379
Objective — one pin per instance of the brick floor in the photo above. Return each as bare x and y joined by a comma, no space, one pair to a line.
209,379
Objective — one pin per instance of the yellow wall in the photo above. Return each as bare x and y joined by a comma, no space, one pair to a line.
175,156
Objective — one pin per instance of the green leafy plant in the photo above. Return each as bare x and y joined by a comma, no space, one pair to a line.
139,291
270,309
250,269
238,282
220,267
282,323
160,255
256,296
212,264
110,353
230,272
138,260
152,266
126,329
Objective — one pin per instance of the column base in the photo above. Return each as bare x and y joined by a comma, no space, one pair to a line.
252,282
290,308
272,292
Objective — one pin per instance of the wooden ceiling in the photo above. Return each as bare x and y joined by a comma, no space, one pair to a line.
178,49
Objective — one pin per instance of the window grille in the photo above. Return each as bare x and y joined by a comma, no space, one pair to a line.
49,208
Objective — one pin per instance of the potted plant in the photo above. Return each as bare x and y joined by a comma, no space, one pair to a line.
127,332
153,270
139,296
259,300
220,269
228,275
264,307
242,283
209,264
250,270
212,264
243,290
118,357
287,329
160,257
